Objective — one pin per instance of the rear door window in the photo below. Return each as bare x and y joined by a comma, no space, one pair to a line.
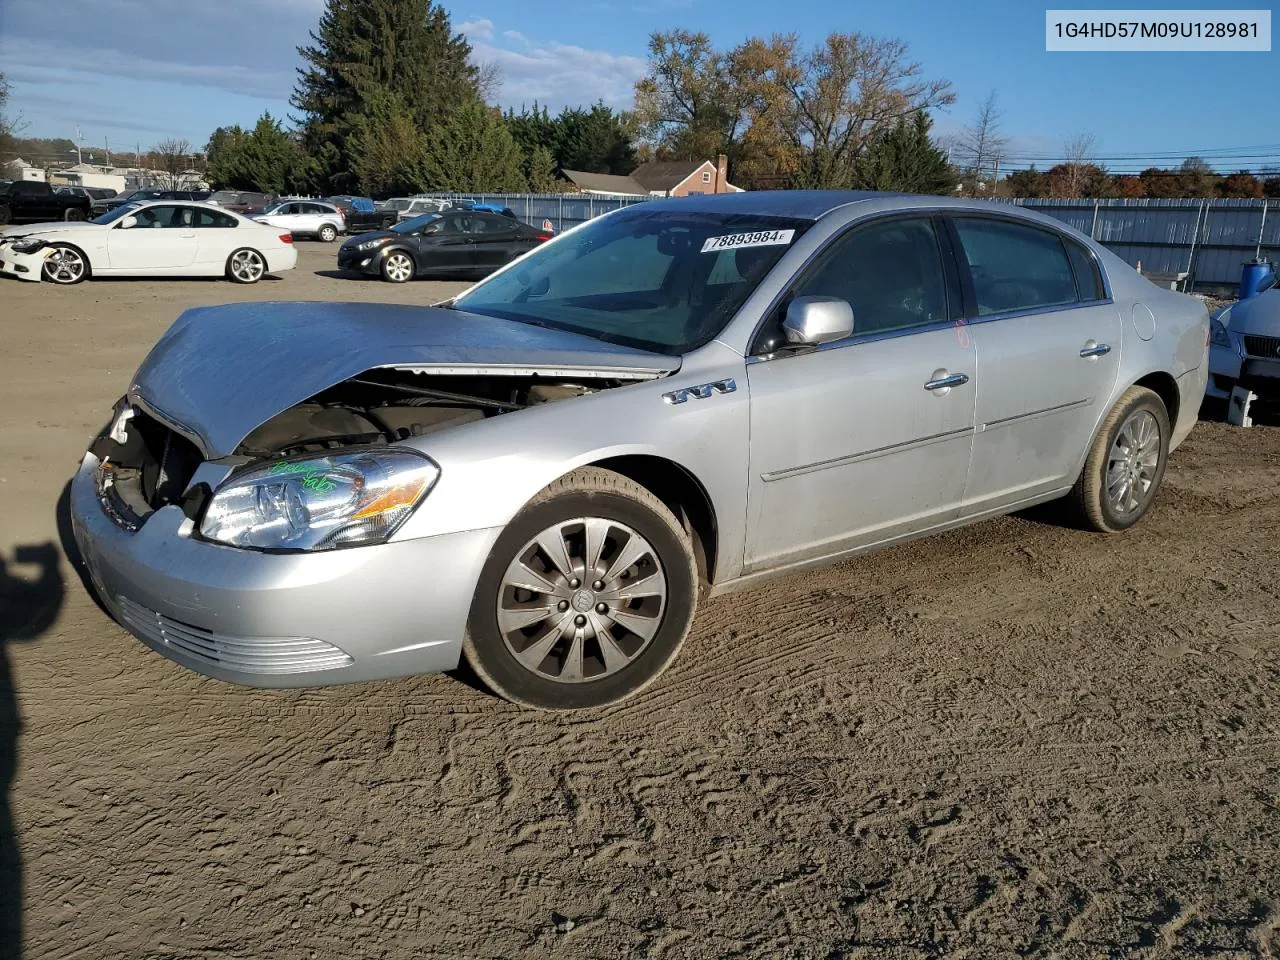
1015,266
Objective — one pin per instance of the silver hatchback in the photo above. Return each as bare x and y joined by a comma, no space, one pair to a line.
545,474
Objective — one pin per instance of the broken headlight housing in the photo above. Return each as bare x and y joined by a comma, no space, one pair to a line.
319,503
26,244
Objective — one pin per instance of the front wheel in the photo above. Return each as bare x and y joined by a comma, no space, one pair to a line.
1125,465
73,215
6,215
586,598
328,233
65,266
246,266
397,267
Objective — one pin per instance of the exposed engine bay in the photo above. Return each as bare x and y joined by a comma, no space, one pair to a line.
146,465
383,406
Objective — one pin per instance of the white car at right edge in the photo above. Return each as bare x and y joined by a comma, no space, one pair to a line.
164,238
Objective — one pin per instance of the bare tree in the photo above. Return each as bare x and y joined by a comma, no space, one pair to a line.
980,147
1077,151
174,156
488,80
10,126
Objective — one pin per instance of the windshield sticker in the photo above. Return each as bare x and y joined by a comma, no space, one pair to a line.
761,238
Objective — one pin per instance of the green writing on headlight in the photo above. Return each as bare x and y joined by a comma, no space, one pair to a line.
313,477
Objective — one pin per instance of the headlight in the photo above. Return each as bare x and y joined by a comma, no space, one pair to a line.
1218,331
26,245
372,244
320,503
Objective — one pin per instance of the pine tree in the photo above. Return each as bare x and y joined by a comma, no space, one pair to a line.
473,151
542,172
905,160
366,49
266,158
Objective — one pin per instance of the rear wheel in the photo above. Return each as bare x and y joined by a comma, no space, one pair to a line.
587,595
397,267
73,215
328,233
1125,465
246,266
65,266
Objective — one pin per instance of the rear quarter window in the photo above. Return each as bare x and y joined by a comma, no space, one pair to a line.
1088,276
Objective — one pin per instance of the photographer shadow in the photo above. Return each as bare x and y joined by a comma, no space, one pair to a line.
28,608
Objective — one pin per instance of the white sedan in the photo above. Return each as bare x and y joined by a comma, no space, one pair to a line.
164,238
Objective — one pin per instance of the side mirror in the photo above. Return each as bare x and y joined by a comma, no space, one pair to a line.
814,320
129,222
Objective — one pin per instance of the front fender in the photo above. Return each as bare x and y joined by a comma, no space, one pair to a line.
491,468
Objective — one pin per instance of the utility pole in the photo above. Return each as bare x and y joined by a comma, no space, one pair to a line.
79,138
107,145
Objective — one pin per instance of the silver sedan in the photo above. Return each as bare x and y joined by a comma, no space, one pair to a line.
546,474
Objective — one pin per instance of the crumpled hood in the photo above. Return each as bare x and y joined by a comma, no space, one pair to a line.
53,226
219,372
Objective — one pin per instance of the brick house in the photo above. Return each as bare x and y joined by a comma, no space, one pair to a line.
666,178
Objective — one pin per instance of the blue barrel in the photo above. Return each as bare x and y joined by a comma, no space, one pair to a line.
1255,271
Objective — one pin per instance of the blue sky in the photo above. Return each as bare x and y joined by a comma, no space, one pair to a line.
136,71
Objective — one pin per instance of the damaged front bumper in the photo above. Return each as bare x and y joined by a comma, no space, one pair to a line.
24,266
279,619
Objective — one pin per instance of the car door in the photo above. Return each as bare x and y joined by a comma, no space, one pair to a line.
215,238
493,241
446,249
867,438
162,240
1048,345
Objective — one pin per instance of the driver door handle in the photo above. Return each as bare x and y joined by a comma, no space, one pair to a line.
1093,349
951,380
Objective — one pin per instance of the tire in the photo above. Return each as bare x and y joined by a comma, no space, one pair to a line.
1106,507
6,215
397,267
604,639
328,233
73,215
65,267
246,265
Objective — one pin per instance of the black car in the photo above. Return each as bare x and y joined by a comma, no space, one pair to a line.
361,214
141,195
456,243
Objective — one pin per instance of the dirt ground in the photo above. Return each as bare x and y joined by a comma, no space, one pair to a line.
1013,740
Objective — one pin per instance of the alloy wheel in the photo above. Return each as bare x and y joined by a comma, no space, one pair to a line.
582,600
247,266
64,266
1133,462
398,267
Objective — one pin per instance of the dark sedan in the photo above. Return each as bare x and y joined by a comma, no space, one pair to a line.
456,243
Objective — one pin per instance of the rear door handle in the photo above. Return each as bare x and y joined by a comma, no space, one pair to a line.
946,382
1094,349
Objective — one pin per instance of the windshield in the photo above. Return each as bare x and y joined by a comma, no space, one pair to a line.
416,224
660,280
395,205
111,216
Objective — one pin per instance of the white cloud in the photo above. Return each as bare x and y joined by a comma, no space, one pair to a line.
558,75
476,29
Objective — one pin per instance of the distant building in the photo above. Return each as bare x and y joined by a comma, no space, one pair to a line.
88,175
666,178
